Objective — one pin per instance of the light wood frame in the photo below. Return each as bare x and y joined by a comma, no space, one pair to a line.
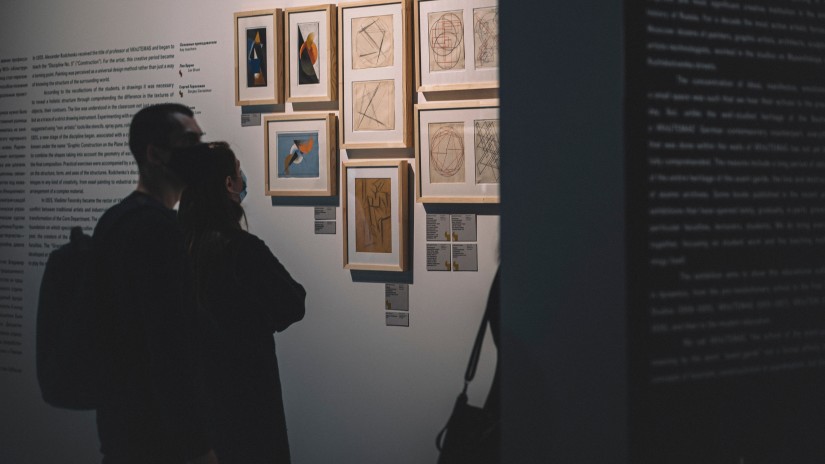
402,133
328,86
456,191
273,93
472,78
397,170
324,185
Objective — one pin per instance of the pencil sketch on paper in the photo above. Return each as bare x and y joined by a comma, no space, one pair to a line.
446,39
446,152
372,42
485,34
256,57
373,105
309,68
487,151
373,215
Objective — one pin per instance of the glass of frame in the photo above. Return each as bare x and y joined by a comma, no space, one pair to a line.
376,94
457,152
311,54
300,155
258,58
457,44
375,214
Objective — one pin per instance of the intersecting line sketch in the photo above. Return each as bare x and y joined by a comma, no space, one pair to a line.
485,33
373,105
446,40
373,215
446,152
372,42
487,150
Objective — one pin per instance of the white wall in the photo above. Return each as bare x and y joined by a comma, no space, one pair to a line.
355,390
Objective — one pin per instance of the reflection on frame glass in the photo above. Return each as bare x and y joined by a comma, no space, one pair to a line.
258,57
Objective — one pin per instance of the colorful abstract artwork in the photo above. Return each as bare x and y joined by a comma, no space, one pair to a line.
372,42
309,68
487,151
446,40
373,105
373,215
446,152
256,57
298,154
485,30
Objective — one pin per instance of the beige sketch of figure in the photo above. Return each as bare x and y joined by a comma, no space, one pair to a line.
372,42
485,30
446,152
446,40
373,105
373,215
487,151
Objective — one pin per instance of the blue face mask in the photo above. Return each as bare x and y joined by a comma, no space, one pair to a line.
242,193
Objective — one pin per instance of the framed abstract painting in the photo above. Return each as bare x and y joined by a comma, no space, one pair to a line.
457,152
311,54
300,154
375,60
258,58
374,196
457,42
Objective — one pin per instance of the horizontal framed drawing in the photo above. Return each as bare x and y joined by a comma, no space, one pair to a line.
457,152
375,214
259,58
375,60
311,53
457,43
300,155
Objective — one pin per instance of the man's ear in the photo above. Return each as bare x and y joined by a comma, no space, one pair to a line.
229,182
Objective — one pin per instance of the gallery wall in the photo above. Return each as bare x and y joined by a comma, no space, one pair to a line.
355,389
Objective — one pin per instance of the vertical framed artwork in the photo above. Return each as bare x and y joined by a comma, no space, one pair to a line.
457,42
457,152
311,54
258,58
375,214
375,59
300,155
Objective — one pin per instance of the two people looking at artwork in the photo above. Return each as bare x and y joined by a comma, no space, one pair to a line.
188,303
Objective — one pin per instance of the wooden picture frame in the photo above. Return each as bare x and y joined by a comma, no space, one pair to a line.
300,155
457,152
457,45
311,44
375,212
259,57
374,70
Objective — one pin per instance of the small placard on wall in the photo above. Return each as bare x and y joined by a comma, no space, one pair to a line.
250,119
398,319
465,257
397,297
324,213
325,227
438,228
438,257
464,227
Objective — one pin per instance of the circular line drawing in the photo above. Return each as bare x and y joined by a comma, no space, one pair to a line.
446,40
447,151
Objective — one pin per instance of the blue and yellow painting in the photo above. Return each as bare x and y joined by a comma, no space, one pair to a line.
298,154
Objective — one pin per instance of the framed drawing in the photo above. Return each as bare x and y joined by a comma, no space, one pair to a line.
375,214
258,58
376,94
311,54
457,152
300,155
457,44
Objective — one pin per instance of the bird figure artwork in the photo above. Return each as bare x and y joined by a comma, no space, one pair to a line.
296,153
308,56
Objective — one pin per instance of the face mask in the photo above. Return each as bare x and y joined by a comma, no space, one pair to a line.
183,163
242,194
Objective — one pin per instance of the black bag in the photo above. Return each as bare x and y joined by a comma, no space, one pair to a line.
471,435
66,345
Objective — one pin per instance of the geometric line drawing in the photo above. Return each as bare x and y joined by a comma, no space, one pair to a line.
373,215
256,57
446,152
485,30
373,106
446,40
372,42
309,68
487,151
